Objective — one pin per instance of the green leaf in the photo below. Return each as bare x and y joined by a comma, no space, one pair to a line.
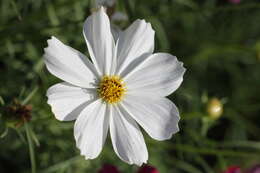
4,133
2,102
31,147
29,97
34,137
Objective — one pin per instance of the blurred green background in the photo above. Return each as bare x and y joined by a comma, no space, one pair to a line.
219,43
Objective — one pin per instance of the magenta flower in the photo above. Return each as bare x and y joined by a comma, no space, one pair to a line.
147,169
108,169
233,169
234,1
255,169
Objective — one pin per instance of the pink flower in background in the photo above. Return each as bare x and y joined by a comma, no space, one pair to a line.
108,169
255,169
234,1
148,169
233,169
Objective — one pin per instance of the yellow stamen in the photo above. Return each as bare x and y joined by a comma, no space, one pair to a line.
111,89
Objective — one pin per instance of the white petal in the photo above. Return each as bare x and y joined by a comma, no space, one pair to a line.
100,41
136,40
127,139
68,64
159,117
90,129
67,101
158,74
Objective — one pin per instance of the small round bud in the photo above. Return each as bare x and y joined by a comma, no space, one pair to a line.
214,108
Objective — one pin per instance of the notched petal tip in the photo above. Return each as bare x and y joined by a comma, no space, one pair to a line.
144,22
137,162
141,163
173,132
50,43
57,116
150,27
90,131
177,129
180,63
102,8
51,40
85,155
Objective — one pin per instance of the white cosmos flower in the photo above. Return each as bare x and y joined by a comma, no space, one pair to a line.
108,3
125,84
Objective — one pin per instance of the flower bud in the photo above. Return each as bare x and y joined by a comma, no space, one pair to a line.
255,169
214,108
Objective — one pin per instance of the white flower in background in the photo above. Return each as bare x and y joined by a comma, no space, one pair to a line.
107,3
117,17
126,84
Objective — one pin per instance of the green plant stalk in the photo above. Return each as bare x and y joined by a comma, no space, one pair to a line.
31,148
4,133
16,10
28,98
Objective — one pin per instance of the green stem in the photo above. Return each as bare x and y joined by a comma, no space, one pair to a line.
4,133
2,102
16,10
31,148
28,98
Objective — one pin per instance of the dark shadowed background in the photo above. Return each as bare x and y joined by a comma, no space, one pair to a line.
219,100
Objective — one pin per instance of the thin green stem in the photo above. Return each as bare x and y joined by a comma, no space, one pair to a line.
28,98
4,133
16,10
19,133
31,148
2,102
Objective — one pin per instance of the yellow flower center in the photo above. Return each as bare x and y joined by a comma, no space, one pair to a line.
111,89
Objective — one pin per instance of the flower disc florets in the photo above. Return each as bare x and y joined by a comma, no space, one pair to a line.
111,89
